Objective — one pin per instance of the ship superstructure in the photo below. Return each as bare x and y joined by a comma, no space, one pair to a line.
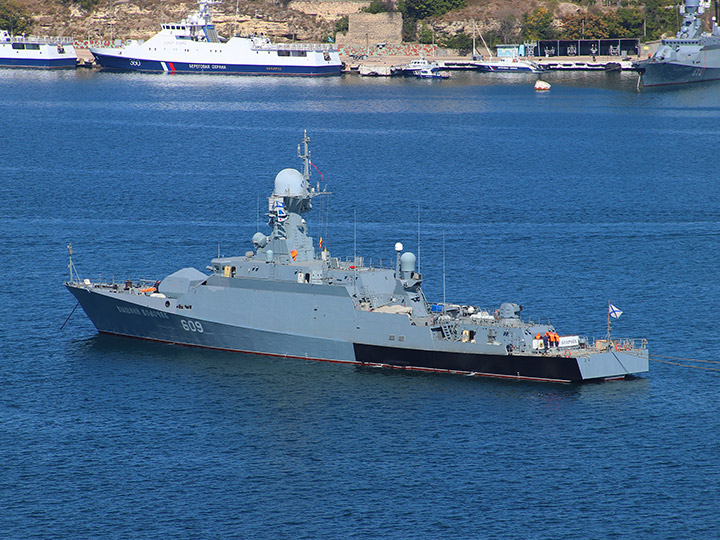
194,46
287,298
691,56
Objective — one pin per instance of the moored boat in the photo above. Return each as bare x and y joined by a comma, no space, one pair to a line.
690,57
194,46
428,73
417,65
507,65
36,52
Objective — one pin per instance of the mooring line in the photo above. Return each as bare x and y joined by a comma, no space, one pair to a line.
685,359
685,365
68,317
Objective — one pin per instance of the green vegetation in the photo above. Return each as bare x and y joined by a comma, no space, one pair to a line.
658,17
644,19
460,41
420,9
342,24
425,34
538,24
379,6
417,10
648,20
14,18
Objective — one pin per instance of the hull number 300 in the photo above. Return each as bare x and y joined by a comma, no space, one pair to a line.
192,326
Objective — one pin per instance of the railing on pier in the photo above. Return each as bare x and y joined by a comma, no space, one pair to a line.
41,40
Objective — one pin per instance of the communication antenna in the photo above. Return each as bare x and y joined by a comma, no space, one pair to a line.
443,269
74,277
418,250
354,235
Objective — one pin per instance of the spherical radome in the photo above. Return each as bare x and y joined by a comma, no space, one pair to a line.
289,183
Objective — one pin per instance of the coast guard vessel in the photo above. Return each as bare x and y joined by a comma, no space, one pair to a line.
36,52
287,298
691,56
193,45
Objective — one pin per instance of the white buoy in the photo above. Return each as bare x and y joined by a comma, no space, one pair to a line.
542,86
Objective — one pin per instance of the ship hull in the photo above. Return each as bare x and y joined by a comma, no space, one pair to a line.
37,63
505,69
111,314
667,73
124,63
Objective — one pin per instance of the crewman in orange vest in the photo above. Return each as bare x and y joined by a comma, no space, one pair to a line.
556,339
546,339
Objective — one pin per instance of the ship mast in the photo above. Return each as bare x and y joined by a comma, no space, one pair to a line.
305,157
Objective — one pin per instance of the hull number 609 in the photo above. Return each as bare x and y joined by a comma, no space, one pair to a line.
192,326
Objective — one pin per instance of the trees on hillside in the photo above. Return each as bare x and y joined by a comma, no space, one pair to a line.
14,18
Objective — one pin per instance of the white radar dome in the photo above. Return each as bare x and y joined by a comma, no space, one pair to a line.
290,183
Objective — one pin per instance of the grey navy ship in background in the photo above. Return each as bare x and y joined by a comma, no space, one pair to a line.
285,298
691,56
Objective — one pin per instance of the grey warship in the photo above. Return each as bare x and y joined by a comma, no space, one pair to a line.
691,56
285,298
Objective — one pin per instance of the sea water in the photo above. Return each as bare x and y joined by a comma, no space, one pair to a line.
559,201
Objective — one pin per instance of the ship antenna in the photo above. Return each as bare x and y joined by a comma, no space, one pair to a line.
71,266
354,235
305,157
443,270
418,256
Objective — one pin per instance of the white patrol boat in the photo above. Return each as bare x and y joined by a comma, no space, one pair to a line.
36,52
193,46
416,66
507,65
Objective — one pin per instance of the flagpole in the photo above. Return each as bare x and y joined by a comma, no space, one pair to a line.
608,321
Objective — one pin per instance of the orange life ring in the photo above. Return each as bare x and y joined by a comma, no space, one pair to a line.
567,354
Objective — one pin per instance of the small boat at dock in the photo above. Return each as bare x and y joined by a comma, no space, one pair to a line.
429,73
507,65
36,52
418,65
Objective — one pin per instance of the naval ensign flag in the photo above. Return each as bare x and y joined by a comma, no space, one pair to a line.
614,312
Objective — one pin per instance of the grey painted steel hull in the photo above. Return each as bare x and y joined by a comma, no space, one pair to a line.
344,340
667,73
286,299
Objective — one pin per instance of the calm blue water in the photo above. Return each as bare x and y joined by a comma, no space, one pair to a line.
558,201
